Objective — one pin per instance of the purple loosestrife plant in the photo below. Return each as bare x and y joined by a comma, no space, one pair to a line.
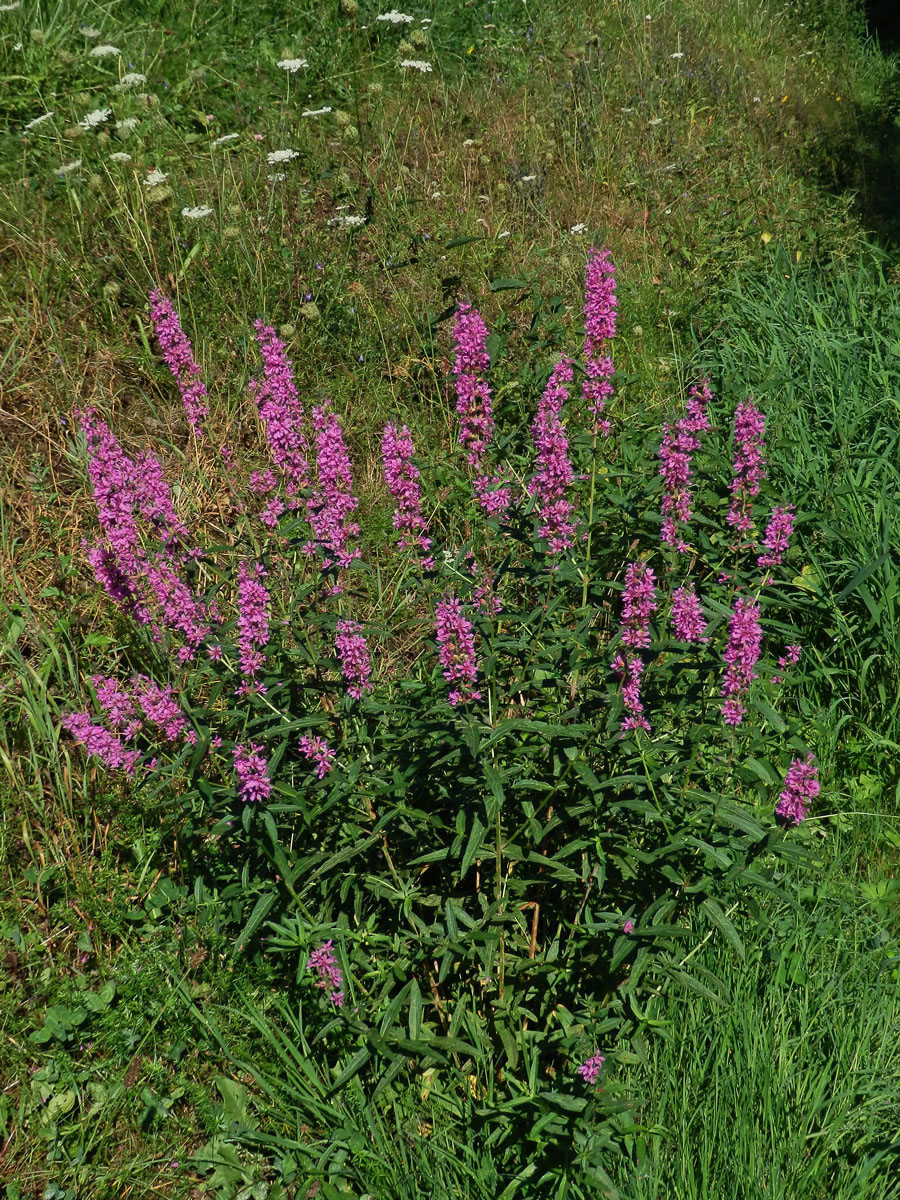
319,752
402,477
801,786
554,475
251,772
638,605
252,622
688,622
680,442
332,503
778,536
456,650
590,1069
282,415
749,466
100,743
741,656
353,652
600,311
330,978
474,405
176,350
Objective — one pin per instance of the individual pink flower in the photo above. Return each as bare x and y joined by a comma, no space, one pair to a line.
176,350
319,752
456,650
330,978
778,536
554,475
749,465
680,441
402,477
600,305
590,1070
801,786
356,666
741,656
688,621
628,927
251,769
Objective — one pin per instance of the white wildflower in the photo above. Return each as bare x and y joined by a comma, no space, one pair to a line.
280,156
95,118
90,32
37,121
416,64
579,228
348,221
10,7
155,177
436,195
128,123
528,179
120,156
226,137
67,167
293,64
677,54
276,177
395,18
426,21
132,79
655,121
317,112
505,234
104,51
469,142
195,214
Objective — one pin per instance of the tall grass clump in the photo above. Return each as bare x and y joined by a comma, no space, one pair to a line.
479,790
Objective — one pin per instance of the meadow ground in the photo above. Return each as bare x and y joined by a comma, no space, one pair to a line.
737,159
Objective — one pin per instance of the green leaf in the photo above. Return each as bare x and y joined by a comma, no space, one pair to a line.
774,718
718,918
473,845
415,1011
260,911
353,1068
513,282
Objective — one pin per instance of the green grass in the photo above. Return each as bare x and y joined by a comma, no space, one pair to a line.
719,179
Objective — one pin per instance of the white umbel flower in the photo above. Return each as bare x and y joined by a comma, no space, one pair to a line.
67,167
280,156
416,64
120,156
395,18
196,214
155,178
579,228
104,51
276,177
89,32
132,79
128,123
95,118
226,137
37,121
317,112
348,221
293,64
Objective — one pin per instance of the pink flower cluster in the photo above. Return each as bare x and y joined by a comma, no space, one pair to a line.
332,503
600,306
456,650
749,465
100,743
778,536
319,752
801,786
475,408
176,350
252,621
590,1070
324,963
680,441
789,659
356,666
251,769
741,656
282,415
638,605
402,476
554,474
688,621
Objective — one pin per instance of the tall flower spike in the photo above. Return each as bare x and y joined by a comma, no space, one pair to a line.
280,410
252,621
741,656
801,785
251,769
600,306
176,350
100,743
688,621
402,477
778,536
474,406
749,465
679,443
330,978
332,504
554,474
638,606
356,666
456,650
319,752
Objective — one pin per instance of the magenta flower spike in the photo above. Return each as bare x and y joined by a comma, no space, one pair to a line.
638,605
741,656
590,1070
554,474
749,465
688,622
679,443
402,477
319,752
801,786
100,743
160,707
251,769
332,503
330,978
778,536
281,412
456,650
176,350
353,652
474,406
252,621
600,309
